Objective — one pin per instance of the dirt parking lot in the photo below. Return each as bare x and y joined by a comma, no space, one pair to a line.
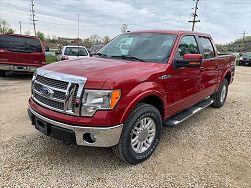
211,149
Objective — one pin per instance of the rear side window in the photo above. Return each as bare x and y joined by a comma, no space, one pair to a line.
208,49
188,45
20,44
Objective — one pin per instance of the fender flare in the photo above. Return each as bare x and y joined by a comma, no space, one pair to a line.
156,90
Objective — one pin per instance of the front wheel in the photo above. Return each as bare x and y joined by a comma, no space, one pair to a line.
221,96
140,135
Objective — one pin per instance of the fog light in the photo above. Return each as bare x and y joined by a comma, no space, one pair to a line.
89,138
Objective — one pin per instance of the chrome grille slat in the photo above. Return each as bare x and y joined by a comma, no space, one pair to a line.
54,99
49,102
54,88
51,82
58,91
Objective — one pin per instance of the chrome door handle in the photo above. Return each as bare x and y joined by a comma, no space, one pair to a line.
202,69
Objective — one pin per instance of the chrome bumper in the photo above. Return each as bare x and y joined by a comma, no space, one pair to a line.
105,136
18,68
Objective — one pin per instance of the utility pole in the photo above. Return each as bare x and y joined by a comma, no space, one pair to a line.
195,15
78,35
20,27
244,34
33,17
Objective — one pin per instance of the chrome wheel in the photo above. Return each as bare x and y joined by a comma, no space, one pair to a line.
223,93
143,135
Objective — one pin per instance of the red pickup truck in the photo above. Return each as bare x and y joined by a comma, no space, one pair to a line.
20,53
125,94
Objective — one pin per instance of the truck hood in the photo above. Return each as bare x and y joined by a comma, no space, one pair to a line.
102,68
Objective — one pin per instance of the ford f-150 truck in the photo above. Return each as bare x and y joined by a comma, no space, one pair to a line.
20,53
124,95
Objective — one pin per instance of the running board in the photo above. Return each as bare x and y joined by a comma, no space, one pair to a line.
182,116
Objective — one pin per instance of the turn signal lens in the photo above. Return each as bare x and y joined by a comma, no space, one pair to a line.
116,94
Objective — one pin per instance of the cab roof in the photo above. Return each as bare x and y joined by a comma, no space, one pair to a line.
19,35
175,32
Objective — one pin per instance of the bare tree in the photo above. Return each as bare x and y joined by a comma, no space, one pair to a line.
5,28
106,39
124,28
94,38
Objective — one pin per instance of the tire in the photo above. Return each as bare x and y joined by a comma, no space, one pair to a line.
2,73
143,114
221,96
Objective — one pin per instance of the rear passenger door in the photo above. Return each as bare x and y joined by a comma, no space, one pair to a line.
209,66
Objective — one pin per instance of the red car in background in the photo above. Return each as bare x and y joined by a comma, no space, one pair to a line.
20,53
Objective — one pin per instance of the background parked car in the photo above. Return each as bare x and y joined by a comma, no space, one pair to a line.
20,53
72,52
95,48
245,59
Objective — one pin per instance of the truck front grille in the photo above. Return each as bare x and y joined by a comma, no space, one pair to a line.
58,95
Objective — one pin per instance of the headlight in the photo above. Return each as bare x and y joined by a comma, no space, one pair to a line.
94,100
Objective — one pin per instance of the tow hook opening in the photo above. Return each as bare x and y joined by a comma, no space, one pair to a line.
89,138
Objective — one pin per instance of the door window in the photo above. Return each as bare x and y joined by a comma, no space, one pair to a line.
188,45
208,50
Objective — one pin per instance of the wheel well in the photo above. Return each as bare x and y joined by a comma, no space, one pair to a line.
228,77
156,102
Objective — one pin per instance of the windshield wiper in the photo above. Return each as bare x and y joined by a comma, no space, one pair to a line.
101,55
128,57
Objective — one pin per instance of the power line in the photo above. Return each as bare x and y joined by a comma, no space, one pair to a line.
33,17
229,2
195,15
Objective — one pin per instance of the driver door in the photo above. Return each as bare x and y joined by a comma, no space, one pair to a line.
183,86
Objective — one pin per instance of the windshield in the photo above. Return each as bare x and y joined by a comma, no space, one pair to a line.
20,44
151,47
247,55
75,51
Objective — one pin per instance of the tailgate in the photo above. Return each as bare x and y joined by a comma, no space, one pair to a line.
8,57
32,59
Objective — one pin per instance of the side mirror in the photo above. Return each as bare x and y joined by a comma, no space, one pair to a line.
189,61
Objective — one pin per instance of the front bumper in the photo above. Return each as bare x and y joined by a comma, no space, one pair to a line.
18,68
104,136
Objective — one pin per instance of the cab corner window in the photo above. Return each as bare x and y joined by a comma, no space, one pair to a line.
188,45
208,50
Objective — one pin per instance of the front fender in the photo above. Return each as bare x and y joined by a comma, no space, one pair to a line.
140,92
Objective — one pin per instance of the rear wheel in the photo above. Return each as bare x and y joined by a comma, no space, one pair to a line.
221,95
140,135
2,73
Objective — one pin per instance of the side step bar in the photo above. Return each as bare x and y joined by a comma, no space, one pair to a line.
182,116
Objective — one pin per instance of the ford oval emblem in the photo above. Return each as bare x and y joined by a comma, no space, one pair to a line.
45,91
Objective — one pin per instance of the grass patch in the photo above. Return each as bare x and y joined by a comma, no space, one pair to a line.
51,59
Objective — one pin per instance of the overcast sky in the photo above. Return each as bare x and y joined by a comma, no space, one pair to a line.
225,20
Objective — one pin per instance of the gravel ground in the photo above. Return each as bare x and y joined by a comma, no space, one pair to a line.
211,149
